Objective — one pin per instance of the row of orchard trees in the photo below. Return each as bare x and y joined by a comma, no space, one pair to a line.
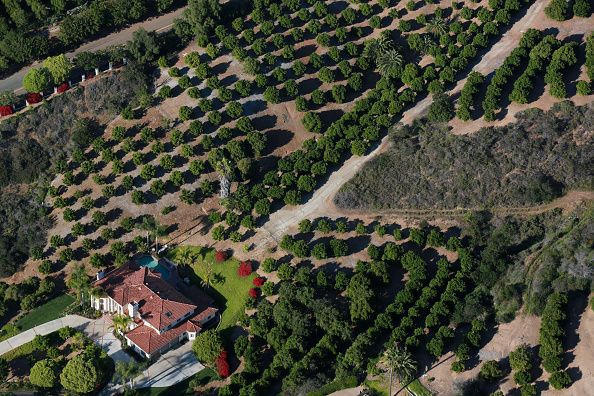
296,174
559,9
536,56
511,65
551,339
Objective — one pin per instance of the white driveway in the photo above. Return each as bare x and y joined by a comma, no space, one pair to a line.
172,367
74,321
101,332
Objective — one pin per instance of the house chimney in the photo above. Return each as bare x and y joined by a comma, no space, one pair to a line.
100,275
132,309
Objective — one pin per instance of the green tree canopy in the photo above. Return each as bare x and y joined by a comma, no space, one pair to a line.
144,46
79,375
37,79
43,374
59,68
208,346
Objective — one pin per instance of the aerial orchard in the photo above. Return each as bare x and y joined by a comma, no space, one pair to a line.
217,148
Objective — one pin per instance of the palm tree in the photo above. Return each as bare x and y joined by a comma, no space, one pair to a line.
389,62
400,363
79,282
186,257
208,275
121,323
375,48
151,226
437,26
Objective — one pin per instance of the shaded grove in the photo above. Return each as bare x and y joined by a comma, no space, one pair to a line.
529,162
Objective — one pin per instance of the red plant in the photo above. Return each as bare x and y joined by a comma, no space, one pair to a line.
90,75
220,256
34,97
253,293
245,268
63,87
259,281
6,110
222,364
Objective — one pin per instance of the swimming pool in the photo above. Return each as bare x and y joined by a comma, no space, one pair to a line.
150,262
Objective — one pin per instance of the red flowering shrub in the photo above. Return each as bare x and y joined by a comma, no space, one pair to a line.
220,256
258,281
63,87
6,110
222,365
245,268
253,293
89,75
34,97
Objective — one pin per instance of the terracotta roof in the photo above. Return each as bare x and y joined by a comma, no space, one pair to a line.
159,305
158,302
150,341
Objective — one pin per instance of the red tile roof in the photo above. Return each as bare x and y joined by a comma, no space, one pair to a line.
158,302
150,341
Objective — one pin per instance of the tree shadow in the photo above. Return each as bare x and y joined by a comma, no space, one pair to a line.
251,107
220,68
264,122
308,85
277,138
576,308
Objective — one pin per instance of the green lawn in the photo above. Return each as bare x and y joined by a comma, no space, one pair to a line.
44,313
228,289
380,387
418,389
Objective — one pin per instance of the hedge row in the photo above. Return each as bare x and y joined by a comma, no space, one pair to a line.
466,100
539,57
563,57
510,66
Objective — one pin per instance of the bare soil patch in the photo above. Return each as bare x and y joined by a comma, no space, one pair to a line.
522,330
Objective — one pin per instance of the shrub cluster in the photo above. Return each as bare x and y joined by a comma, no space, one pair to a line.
466,100
564,57
521,362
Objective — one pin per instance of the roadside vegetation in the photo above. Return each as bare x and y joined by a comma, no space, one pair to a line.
65,360
23,25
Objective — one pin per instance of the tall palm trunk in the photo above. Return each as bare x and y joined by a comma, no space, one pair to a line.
391,377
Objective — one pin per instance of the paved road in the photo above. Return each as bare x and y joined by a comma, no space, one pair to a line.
74,321
158,24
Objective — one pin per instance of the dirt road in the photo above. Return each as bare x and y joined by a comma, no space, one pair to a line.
158,24
320,204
